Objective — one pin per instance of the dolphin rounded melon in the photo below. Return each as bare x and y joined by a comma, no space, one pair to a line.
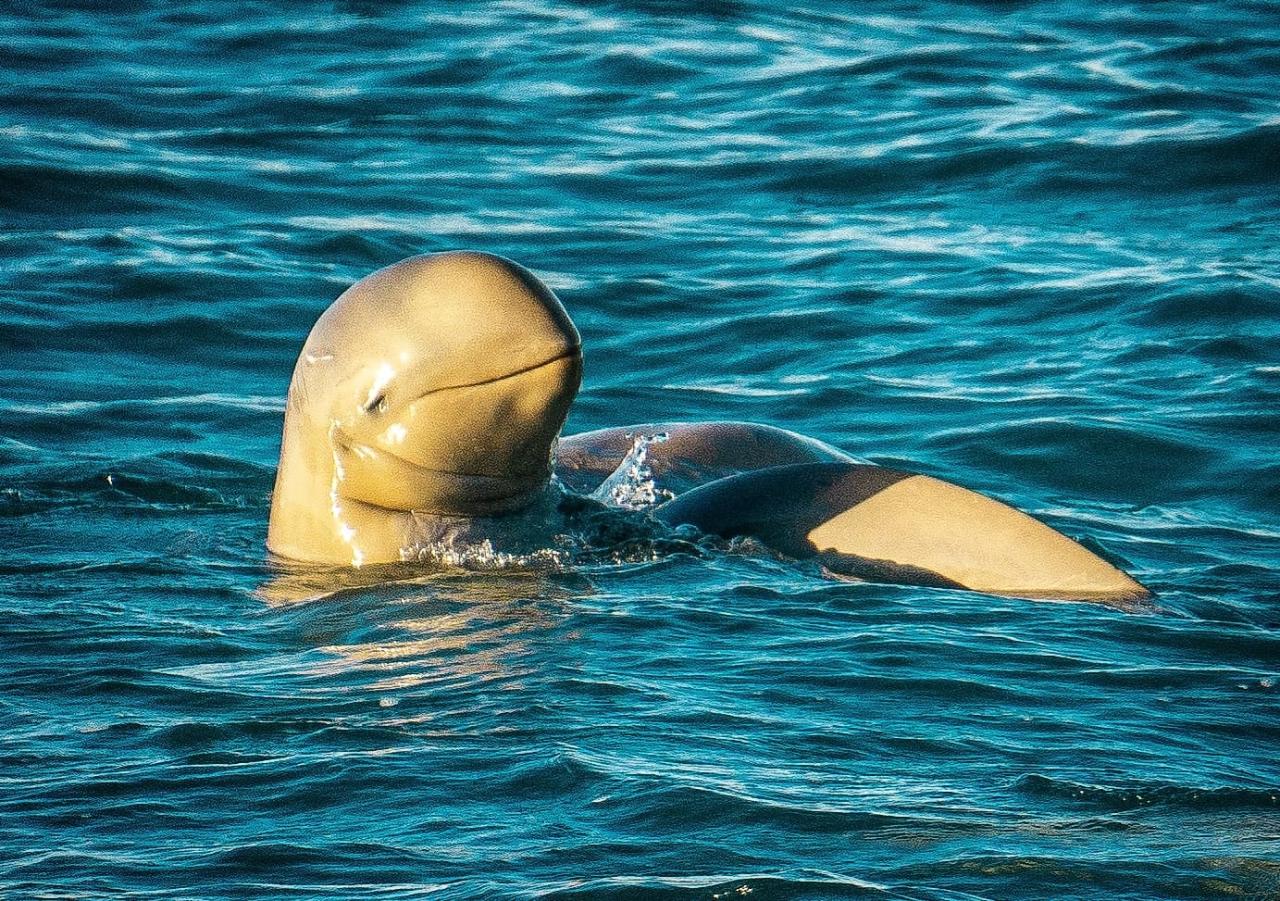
436,386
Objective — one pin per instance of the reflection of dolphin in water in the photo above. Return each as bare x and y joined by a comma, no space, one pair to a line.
424,410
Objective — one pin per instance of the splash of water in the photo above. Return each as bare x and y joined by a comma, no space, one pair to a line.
631,485
481,555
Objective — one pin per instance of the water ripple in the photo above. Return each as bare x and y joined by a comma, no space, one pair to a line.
1027,248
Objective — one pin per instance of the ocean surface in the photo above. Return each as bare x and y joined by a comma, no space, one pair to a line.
1030,248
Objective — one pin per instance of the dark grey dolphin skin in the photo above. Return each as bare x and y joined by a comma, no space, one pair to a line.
782,505
809,500
745,479
692,453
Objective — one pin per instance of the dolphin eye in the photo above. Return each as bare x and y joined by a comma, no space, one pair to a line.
377,404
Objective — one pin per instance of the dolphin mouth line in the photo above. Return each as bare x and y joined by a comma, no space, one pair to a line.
515,487
573,354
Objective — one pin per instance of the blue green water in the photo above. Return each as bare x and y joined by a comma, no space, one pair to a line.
1029,248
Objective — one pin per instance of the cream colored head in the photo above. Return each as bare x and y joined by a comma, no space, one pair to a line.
438,386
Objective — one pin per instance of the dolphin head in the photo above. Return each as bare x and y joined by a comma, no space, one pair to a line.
437,386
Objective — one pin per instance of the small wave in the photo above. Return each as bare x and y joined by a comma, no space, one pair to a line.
543,775
1235,307
172,480
160,338
1224,160
1136,795
725,887
1104,457
256,403
737,389
50,189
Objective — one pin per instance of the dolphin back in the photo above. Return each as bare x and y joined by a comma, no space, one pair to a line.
887,525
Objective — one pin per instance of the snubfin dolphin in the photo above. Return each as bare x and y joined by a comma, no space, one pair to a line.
432,388
428,398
